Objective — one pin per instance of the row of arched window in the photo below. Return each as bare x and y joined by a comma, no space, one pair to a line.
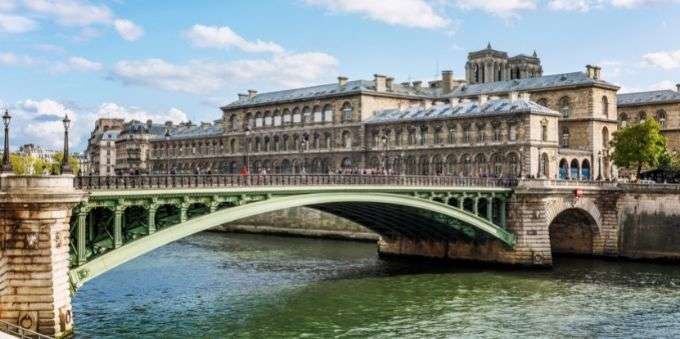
285,117
564,105
660,117
453,134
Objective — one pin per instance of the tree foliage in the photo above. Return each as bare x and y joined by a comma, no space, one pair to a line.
640,145
31,165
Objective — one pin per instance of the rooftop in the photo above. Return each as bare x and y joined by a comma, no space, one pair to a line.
352,87
461,110
528,84
651,97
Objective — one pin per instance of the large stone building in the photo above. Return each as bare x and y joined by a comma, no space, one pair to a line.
504,119
101,146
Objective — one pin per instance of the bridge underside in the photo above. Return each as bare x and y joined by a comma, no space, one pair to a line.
392,216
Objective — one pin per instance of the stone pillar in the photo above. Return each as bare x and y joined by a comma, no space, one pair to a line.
151,222
501,213
183,212
118,227
81,236
475,206
34,252
489,209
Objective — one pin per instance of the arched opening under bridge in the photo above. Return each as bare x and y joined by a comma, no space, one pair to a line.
572,232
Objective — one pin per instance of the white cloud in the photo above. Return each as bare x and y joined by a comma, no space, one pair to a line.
665,60
224,37
572,5
639,3
16,24
288,70
504,9
408,13
128,30
39,122
76,64
11,59
70,13
113,110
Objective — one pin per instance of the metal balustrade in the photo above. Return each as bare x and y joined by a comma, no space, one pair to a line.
229,180
20,332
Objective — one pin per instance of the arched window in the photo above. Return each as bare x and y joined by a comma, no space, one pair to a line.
328,113
465,161
585,170
564,169
327,140
249,122
346,139
452,135
277,118
574,169
318,115
605,106
545,166
347,111
287,119
423,135
543,102
565,106
233,122
623,120
661,118
451,163
297,117
513,164
481,133
512,133
438,135
258,119
267,118
605,137
497,133
480,165
565,137
306,115
642,115
497,165
466,134
411,136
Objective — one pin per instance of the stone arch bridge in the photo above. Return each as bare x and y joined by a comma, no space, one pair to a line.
57,234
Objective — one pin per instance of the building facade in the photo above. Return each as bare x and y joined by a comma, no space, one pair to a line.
101,146
504,119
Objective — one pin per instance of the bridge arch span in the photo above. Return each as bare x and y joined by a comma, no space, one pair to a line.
390,215
574,227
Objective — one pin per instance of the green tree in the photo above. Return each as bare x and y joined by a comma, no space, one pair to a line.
638,146
55,167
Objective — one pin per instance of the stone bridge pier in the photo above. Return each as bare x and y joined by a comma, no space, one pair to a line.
545,218
34,249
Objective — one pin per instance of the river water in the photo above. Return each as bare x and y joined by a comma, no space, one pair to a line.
215,285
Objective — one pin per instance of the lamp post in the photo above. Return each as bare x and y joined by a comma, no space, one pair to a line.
167,150
65,166
6,166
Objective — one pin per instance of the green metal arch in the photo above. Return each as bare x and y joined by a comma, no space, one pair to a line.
136,248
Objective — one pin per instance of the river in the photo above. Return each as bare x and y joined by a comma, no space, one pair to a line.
216,285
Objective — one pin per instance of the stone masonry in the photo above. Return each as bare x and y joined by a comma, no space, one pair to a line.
34,249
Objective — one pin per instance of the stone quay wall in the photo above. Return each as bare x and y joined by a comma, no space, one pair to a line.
301,221
649,224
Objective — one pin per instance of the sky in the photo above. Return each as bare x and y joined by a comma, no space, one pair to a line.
180,60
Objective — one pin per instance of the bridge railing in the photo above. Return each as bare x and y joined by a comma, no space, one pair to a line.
19,332
220,180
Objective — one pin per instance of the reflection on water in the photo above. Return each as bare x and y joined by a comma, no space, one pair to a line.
215,285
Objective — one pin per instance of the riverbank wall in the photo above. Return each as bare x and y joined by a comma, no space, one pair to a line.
302,222
649,225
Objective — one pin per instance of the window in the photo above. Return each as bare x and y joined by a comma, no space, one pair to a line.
286,117
346,112
267,119
623,120
497,133
605,138
513,133
452,135
438,135
306,115
565,137
481,133
466,134
328,113
423,135
277,119
318,115
605,106
661,118
233,121
411,136
642,116
346,139
544,131
297,117
258,119
565,107
397,137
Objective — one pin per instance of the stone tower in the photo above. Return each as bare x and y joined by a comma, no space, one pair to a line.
490,65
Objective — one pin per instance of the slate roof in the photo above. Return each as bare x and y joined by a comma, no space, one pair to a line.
352,87
110,134
461,110
644,98
543,82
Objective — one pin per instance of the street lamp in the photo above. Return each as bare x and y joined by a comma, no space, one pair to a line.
167,149
65,166
6,166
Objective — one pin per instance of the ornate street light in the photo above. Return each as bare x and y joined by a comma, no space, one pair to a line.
6,166
65,166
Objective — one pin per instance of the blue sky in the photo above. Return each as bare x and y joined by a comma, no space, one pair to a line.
180,60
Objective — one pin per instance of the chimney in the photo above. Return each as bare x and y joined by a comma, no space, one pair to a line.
388,83
380,85
149,123
678,87
514,96
342,81
593,72
482,99
417,84
406,84
251,93
447,81
242,96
